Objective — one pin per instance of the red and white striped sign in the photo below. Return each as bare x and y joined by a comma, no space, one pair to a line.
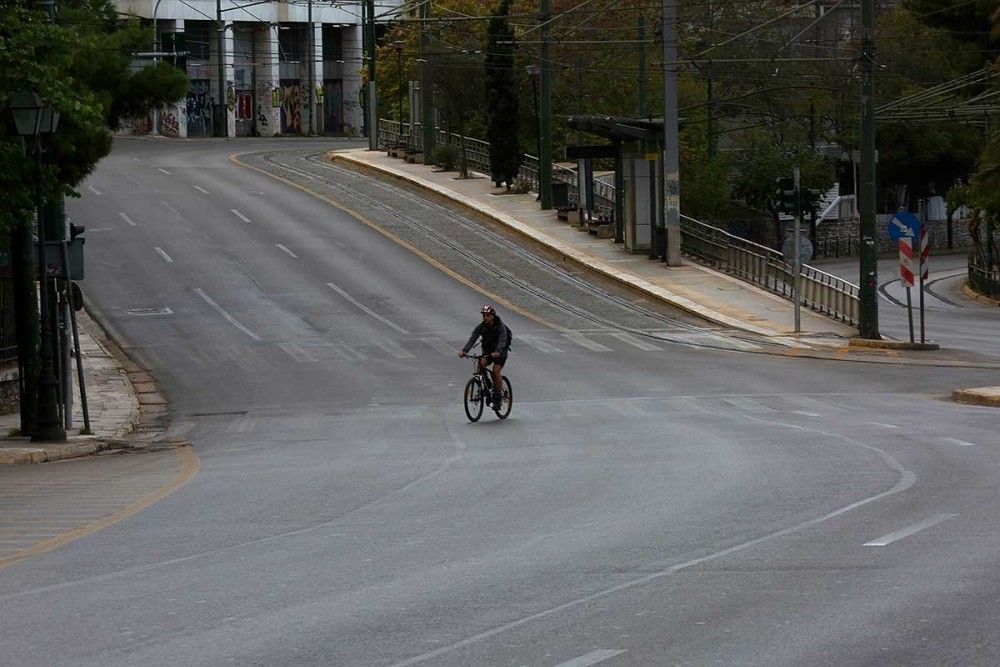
906,260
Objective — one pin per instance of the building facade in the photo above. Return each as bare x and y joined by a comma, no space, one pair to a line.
279,74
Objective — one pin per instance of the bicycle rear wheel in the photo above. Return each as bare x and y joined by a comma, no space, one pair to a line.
473,398
506,401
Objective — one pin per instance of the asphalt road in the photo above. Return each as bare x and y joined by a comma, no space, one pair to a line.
951,318
662,493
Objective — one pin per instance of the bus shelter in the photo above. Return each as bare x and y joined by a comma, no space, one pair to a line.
636,146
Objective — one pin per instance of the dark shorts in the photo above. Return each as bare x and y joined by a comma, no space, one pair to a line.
502,360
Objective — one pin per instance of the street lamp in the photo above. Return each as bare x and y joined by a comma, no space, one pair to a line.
398,45
34,118
532,71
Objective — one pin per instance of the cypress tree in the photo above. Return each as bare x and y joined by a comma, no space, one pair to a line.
501,99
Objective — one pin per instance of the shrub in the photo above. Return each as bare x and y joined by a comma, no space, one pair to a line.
445,156
521,186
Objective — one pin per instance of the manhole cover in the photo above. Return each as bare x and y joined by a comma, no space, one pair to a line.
143,312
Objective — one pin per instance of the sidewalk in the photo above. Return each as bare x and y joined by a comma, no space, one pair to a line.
117,394
710,294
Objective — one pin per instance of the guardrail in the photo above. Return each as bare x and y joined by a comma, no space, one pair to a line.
756,264
985,281
759,265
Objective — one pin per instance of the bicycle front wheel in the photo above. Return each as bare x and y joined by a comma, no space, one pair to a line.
473,400
506,401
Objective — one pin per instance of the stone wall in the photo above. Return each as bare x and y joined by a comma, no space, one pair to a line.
8,388
839,238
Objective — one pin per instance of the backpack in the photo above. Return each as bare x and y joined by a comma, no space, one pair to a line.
510,338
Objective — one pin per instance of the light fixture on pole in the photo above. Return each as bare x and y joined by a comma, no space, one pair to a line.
34,118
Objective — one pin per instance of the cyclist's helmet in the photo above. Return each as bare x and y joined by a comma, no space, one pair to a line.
488,310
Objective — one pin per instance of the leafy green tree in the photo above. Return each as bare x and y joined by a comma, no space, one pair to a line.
502,99
82,64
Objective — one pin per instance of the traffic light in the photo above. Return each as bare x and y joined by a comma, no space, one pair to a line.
785,195
810,200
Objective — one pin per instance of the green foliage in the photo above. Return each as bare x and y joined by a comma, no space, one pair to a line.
764,162
81,64
502,99
445,156
969,21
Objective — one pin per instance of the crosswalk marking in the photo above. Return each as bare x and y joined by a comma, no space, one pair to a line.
395,349
591,658
348,352
746,404
539,344
583,341
635,341
297,352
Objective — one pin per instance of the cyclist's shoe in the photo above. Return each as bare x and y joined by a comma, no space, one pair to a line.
497,397
486,398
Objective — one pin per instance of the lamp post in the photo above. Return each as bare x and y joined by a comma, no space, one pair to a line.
398,45
532,71
33,118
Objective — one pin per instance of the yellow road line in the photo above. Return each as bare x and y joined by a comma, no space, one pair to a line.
395,239
189,468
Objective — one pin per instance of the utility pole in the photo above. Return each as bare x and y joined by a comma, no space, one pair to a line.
426,94
868,250
312,68
671,157
372,95
222,127
545,113
641,82
710,104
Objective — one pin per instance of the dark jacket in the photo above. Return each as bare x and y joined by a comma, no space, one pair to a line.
494,337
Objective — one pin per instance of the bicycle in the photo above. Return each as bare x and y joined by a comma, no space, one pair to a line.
479,391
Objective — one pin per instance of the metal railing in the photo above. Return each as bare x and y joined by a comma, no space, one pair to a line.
756,264
985,281
759,265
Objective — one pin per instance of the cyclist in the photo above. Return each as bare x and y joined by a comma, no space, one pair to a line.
496,344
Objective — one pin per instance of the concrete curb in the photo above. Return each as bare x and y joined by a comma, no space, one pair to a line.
146,415
985,396
570,253
976,296
893,345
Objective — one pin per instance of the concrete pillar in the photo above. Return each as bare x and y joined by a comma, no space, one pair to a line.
353,111
268,91
315,54
227,95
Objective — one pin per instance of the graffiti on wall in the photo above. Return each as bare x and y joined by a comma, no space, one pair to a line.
244,105
291,109
142,124
170,125
199,109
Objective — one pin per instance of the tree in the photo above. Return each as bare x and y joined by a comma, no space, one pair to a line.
502,99
81,64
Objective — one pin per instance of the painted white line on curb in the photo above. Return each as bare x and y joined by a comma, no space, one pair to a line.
164,255
591,658
124,216
201,189
367,309
286,250
909,530
219,309
239,215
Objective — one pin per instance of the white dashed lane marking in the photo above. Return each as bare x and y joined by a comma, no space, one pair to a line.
909,530
239,215
166,258
124,216
591,658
